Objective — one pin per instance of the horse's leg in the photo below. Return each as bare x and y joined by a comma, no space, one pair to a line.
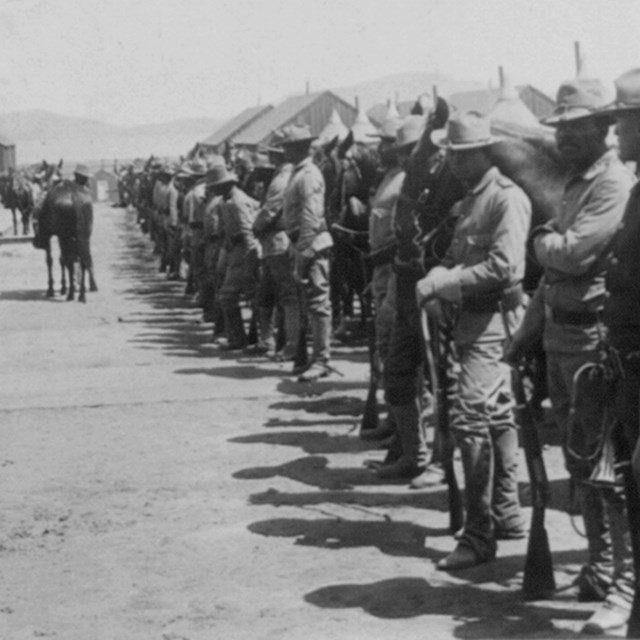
83,270
15,221
49,261
72,281
63,274
25,222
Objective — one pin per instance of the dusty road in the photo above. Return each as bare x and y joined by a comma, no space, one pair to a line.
155,489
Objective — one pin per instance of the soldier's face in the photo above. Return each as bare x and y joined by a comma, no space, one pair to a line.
628,130
580,141
469,165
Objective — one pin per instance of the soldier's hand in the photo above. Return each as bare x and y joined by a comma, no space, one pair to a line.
435,310
513,349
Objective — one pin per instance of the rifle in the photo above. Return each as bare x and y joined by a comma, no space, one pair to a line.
301,359
370,418
437,372
538,581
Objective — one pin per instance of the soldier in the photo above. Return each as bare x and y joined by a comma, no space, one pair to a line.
622,313
237,214
82,175
567,309
409,456
482,276
172,227
277,284
160,213
382,242
194,207
304,217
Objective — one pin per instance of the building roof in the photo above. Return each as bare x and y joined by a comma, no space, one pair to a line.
240,122
285,113
334,128
483,100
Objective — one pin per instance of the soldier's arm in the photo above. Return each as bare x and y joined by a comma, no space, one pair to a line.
505,253
574,251
312,215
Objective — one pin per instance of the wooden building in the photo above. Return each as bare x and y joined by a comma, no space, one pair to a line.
312,109
104,186
7,154
230,129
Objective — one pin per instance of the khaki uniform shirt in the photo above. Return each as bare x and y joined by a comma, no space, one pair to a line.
574,253
269,224
304,212
237,214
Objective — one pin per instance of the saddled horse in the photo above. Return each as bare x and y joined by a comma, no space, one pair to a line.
67,213
351,173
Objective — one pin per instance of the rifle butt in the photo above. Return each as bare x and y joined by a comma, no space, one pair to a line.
302,355
370,418
538,582
456,509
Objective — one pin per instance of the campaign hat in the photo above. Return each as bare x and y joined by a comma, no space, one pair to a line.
465,130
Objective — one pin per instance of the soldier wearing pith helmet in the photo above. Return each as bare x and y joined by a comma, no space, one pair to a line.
622,310
566,311
481,277
305,223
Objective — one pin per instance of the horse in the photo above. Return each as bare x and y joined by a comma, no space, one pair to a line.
351,173
17,196
67,212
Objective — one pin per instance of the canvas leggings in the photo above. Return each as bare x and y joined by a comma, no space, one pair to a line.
609,566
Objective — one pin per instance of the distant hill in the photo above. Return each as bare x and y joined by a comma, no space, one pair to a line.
40,134
403,87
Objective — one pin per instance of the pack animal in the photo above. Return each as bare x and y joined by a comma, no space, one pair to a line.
67,213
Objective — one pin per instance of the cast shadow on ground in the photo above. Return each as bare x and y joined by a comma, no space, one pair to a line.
334,405
334,383
312,442
240,372
30,295
482,613
312,471
273,423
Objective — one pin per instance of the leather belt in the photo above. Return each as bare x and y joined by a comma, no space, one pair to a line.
578,318
510,298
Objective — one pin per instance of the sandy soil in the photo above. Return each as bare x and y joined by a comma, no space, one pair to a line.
155,489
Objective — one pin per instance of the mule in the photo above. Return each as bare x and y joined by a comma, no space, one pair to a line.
17,196
67,213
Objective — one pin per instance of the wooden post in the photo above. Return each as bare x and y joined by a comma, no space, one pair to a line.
576,49
501,76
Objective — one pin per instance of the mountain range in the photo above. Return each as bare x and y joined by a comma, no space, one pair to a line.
40,134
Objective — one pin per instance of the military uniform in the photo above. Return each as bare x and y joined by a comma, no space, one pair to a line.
160,209
304,217
484,268
173,230
382,241
570,298
277,284
237,214
194,206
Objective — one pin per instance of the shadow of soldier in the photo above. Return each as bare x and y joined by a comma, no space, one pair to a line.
483,613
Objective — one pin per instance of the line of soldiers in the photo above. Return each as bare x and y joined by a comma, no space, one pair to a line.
587,306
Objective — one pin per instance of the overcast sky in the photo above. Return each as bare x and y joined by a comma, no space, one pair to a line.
136,61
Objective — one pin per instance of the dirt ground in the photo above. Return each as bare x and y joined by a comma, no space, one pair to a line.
154,489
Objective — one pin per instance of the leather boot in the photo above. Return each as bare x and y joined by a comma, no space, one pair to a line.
413,460
234,324
321,337
266,344
292,333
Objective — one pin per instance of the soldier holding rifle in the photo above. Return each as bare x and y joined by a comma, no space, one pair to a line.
482,273
567,306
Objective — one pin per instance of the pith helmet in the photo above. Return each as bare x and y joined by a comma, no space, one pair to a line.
627,93
294,134
219,174
411,131
465,130
83,170
577,99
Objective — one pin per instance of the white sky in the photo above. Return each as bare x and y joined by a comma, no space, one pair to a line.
136,61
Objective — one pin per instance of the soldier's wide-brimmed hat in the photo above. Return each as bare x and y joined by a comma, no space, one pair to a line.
627,94
193,169
293,134
577,99
219,174
411,131
465,130
388,130
261,162
83,170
